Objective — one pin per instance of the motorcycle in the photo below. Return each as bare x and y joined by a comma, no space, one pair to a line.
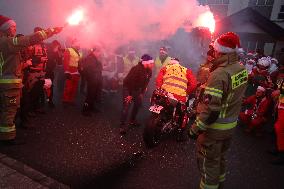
167,115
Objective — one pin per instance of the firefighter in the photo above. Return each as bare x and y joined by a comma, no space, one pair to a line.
204,69
10,73
72,76
218,111
92,71
134,88
162,60
279,125
36,76
257,113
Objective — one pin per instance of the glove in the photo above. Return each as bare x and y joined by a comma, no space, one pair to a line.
56,30
194,132
68,75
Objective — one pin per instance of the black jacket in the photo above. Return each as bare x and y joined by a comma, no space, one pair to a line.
92,68
137,79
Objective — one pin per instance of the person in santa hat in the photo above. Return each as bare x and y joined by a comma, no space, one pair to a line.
134,88
11,73
257,113
218,110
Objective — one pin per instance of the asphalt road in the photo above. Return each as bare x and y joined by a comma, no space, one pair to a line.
85,152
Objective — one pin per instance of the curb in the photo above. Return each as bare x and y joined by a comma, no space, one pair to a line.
31,173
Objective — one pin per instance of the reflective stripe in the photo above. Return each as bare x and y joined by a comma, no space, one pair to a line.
175,78
223,126
213,94
222,177
200,124
1,63
207,186
43,34
15,41
214,90
175,85
7,129
225,106
10,81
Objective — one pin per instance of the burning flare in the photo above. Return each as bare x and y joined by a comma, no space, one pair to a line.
76,17
207,20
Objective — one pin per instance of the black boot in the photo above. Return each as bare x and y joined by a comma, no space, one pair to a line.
86,110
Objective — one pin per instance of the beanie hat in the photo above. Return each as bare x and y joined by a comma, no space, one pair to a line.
6,23
228,43
147,59
261,88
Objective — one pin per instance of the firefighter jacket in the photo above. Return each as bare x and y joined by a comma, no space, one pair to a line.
10,60
159,64
39,57
92,68
221,99
129,63
258,106
71,61
137,79
177,80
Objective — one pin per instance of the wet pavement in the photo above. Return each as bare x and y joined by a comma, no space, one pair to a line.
88,152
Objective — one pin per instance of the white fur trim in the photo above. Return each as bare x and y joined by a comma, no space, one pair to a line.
6,25
148,62
261,88
174,62
223,49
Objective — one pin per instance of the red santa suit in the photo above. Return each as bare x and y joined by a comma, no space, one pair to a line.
256,116
71,63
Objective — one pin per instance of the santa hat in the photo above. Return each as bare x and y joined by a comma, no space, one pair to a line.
174,61
6,23
261,88
147,59
228,43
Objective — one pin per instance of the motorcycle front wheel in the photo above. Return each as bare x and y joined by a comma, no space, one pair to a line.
152,131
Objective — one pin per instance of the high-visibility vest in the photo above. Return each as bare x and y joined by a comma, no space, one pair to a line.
74,58
175,80
128,64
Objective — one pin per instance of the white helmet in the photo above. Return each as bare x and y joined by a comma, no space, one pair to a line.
264,61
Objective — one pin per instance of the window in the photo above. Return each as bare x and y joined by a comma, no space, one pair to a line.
214,2
281,13
264,2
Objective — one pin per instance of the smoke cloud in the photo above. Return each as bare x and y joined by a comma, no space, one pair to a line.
110,23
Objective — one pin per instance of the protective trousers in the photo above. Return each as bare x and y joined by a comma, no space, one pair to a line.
279,129
211,161
70,89
9,103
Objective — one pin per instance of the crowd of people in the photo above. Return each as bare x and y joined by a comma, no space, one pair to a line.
232,87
